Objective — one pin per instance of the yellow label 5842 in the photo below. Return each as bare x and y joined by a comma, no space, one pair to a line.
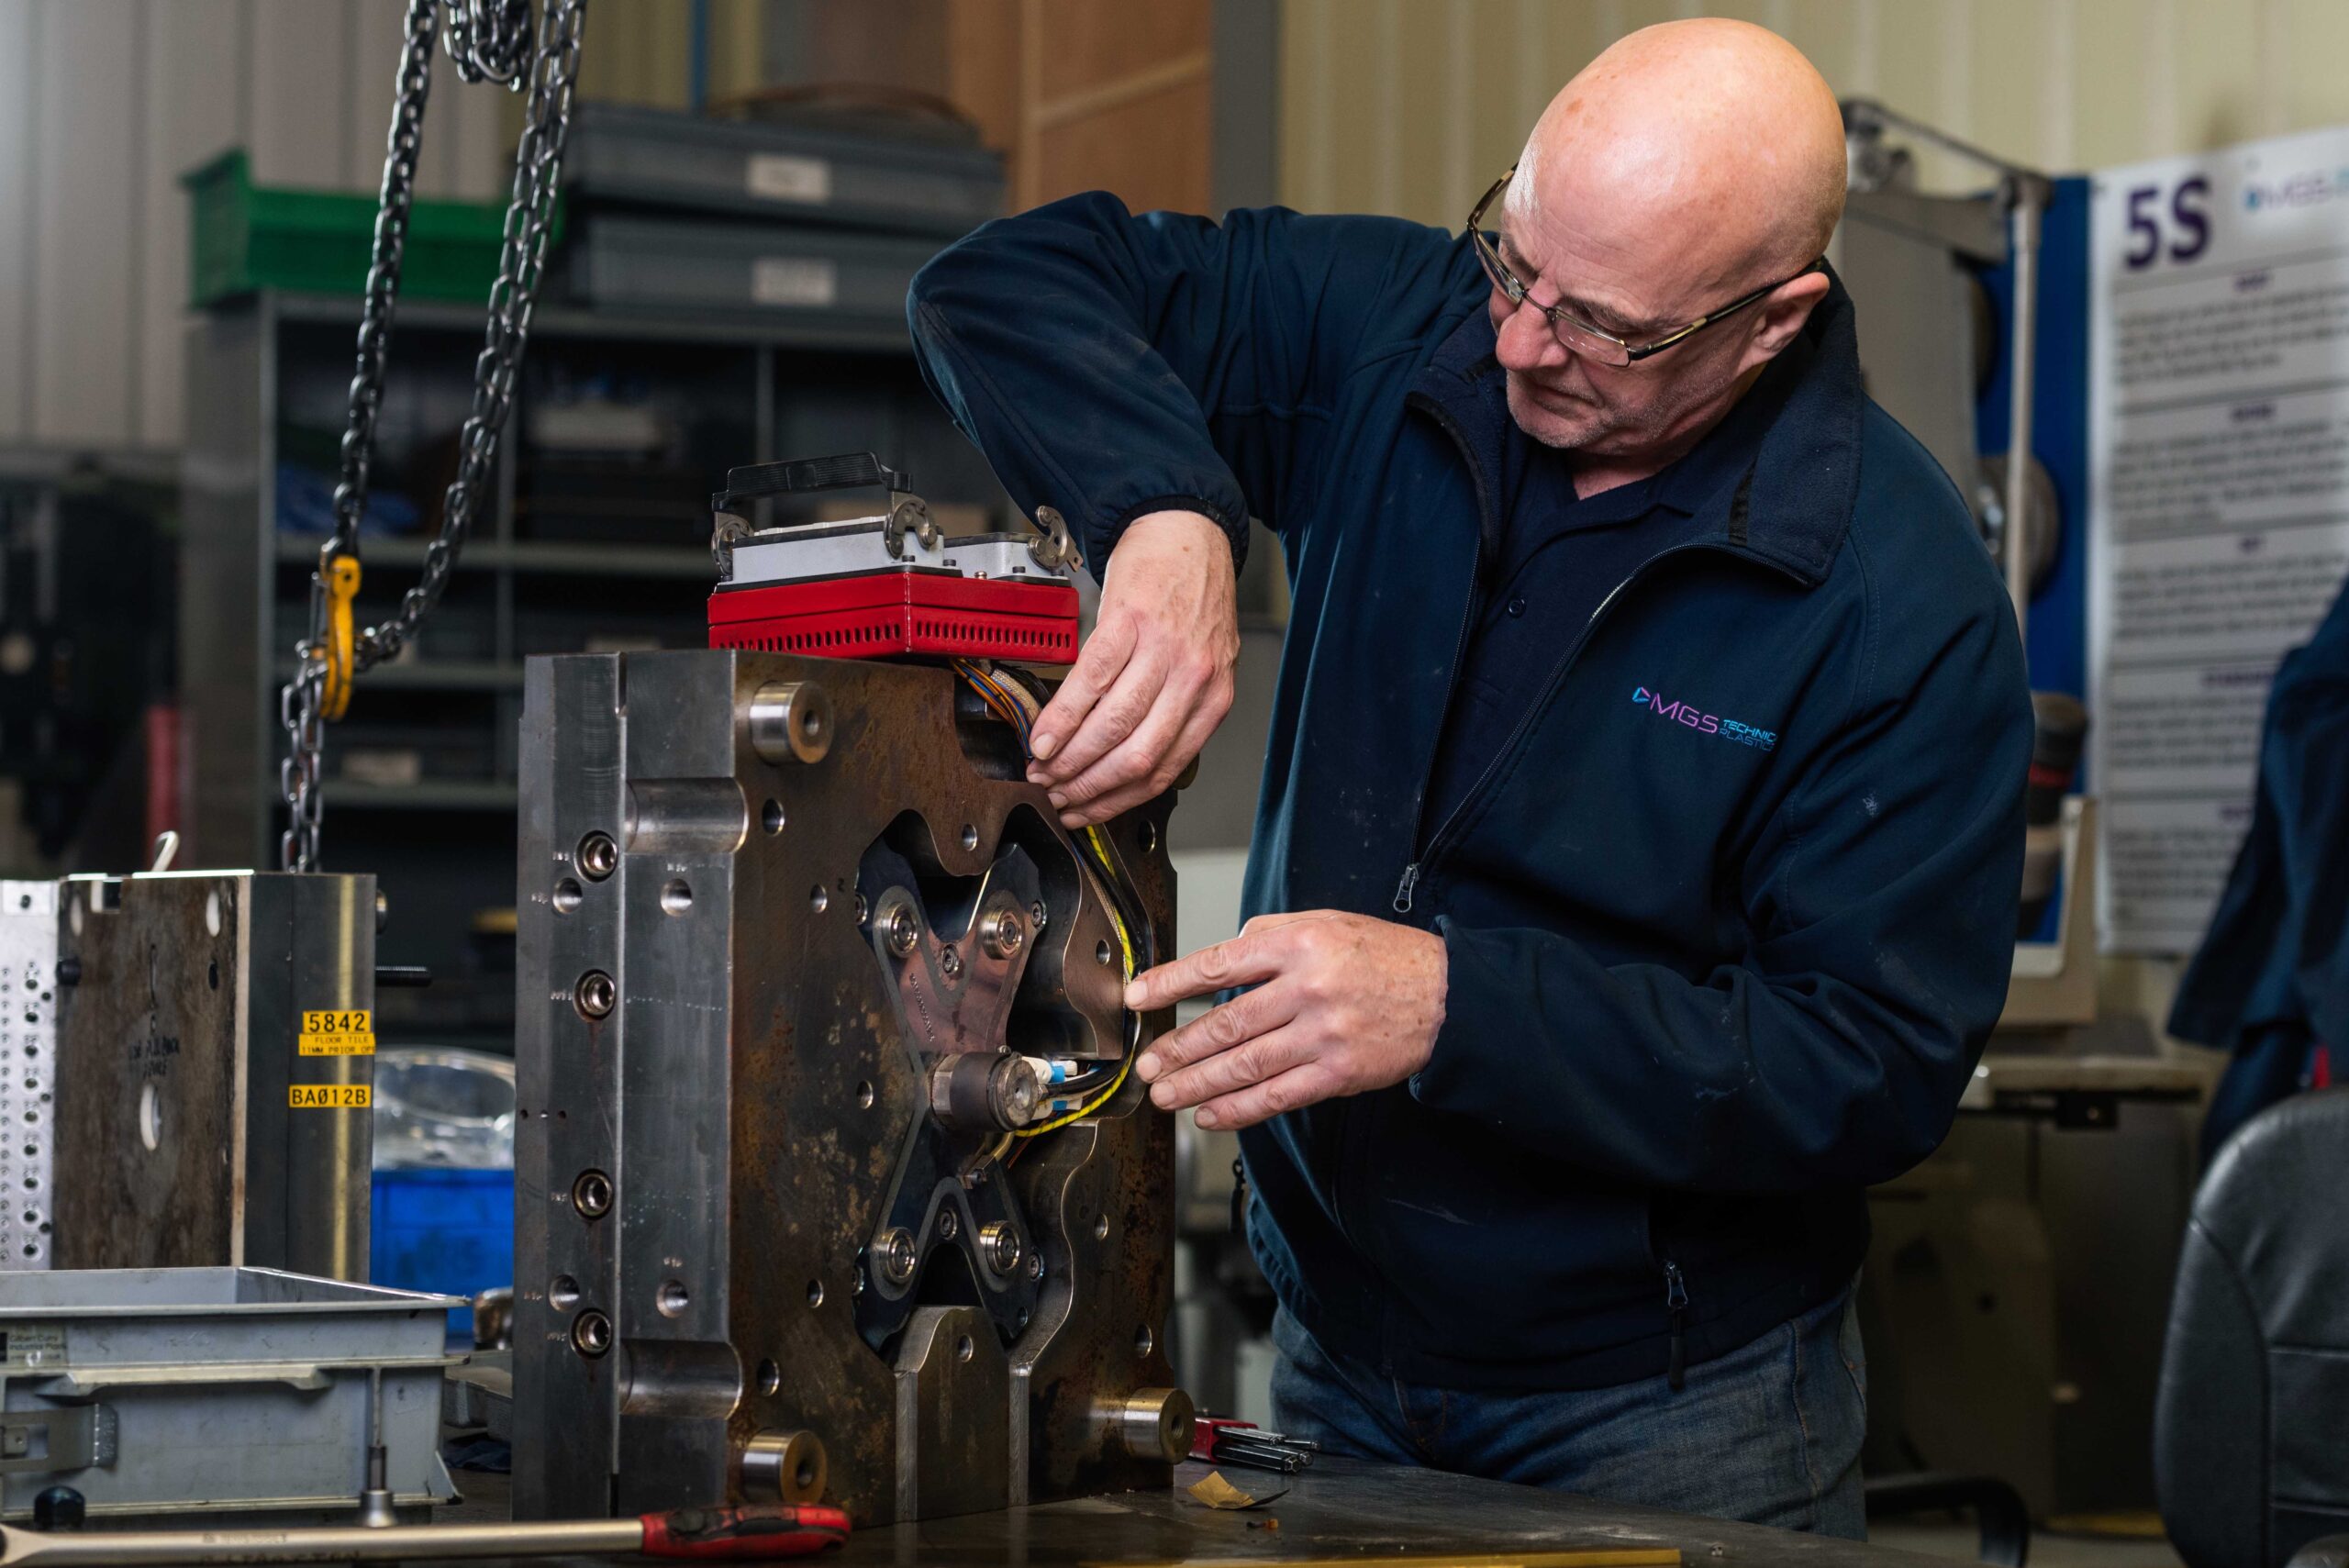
329,1096
338,1034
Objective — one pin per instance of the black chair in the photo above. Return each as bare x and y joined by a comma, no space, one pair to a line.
2250,1425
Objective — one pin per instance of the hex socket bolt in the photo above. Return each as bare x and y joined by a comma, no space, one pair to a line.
596,994
895,1256
590,1333
591,1194
1002,933
999,1245
598,856
902,928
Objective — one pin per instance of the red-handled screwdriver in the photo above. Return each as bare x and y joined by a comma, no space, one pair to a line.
762,1531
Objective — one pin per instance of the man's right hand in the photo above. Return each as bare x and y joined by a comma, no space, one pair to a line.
1154,680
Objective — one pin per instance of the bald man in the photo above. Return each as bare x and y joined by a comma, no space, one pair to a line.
1635,867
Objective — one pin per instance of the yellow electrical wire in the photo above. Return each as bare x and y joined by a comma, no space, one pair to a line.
1010,705
1126,946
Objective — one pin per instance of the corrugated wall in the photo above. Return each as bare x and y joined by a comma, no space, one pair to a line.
1413,107
103,103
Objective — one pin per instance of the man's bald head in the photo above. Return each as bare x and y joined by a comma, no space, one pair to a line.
1687,167
1712,144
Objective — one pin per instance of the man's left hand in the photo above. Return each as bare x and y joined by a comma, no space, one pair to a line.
1342,1004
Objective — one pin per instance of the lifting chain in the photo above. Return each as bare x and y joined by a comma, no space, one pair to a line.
488,40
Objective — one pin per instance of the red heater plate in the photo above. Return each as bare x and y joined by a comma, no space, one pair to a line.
891,612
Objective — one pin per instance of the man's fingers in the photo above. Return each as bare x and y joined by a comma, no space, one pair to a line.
1262,1056
1146,766
1141,756
1241,961
1121,710
1219,1031
1293,1090
1104,659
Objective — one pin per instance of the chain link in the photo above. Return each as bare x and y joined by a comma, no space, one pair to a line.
488,40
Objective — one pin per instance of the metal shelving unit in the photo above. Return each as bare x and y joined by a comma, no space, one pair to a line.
585,549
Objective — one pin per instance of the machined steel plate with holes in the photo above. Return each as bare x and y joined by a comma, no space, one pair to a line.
789,929
194,1128
28,1070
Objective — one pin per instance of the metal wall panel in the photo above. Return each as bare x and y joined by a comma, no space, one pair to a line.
102,104
1410,108
18,107
83,217
192,66
300,80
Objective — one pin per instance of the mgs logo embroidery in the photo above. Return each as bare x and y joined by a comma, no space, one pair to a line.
1705,723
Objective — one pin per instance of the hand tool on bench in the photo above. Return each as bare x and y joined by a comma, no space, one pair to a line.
768,1531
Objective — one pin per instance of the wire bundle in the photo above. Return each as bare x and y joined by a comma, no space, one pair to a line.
1009,697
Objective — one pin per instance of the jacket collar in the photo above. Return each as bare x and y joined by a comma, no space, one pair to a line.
1790,447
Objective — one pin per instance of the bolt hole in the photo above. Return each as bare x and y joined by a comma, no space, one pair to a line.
568,895
1101,1228
672,1299
562,1293
804,1478
964,1349
771,816
970,835
676,897
1144,1341
864,1094
815,1293
212,975
1101,954
1147,837
770,1378
212,912
819,900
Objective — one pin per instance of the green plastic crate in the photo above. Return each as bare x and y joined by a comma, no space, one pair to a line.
246,237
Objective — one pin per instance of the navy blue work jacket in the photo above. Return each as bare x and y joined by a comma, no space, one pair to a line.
1729,914
2271,981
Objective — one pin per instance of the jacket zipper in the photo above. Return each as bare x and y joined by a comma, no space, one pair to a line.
1345,1111
1459,647
1407,888
1675,1301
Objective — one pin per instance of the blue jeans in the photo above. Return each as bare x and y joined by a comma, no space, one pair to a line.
1769,1433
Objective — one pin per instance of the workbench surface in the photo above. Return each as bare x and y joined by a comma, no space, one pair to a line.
1338,1509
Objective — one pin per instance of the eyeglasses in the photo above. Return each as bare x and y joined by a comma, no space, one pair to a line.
1579,336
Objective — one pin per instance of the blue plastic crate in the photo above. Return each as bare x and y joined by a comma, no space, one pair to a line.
443,1230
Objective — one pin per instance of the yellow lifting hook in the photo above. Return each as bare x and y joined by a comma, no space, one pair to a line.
342,587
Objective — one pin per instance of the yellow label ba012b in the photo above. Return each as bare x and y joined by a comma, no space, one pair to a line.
349,1033
329,1096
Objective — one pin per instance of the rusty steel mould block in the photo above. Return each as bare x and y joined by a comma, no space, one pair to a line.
810,983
